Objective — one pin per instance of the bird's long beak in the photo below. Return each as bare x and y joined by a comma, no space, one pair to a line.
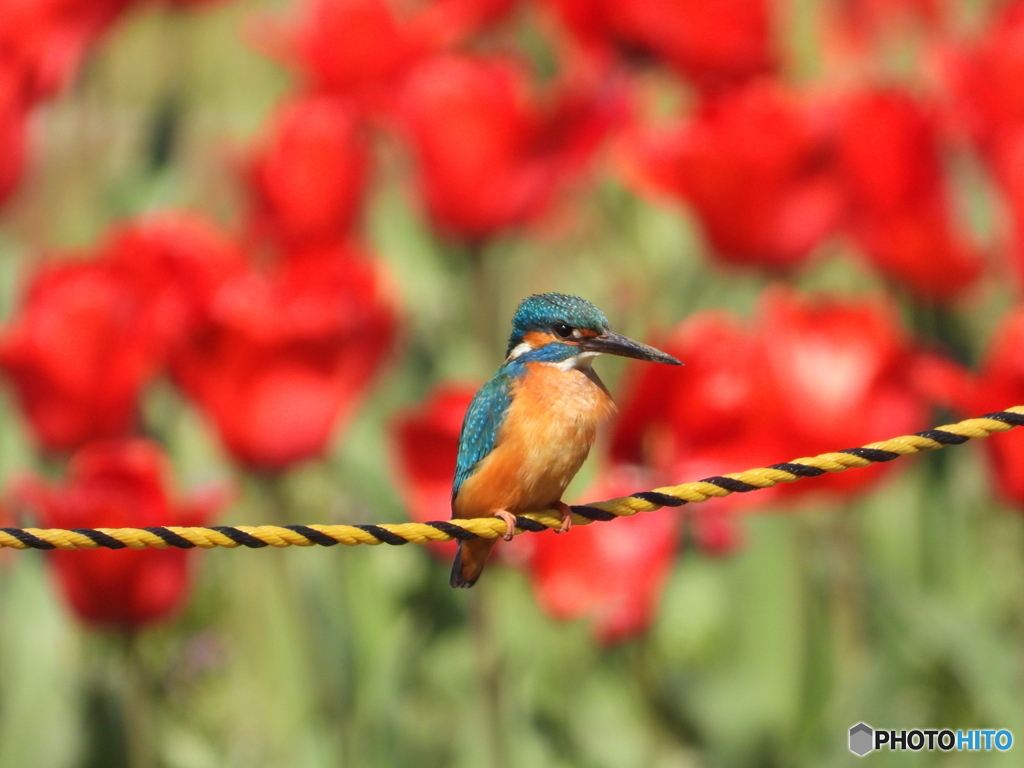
614,344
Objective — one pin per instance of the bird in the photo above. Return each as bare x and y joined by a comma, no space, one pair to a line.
528,430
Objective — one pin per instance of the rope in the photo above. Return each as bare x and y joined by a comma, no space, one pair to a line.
489,527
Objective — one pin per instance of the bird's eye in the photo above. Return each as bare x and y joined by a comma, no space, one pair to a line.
562,330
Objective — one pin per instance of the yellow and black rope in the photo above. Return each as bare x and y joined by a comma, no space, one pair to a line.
162,537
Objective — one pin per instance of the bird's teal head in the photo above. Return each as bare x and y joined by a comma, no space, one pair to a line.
555,327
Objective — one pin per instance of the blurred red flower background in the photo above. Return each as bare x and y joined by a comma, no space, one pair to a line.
120,484
755,165
490,155
275,326
274,255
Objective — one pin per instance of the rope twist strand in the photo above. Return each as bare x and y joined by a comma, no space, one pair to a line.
256,537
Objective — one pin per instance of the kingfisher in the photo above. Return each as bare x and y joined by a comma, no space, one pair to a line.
528,430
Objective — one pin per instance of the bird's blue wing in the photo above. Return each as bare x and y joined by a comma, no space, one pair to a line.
484,416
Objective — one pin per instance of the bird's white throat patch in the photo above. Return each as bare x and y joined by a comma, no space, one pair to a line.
520,349
579,362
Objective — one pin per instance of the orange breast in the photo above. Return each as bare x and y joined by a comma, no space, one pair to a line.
546,435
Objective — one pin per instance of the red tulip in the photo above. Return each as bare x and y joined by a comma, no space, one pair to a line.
13,114
446,23
942,382
837,366
861,21
1000,385
756,168
362,50
190,4
716,530
714,44
611,573
899,206
712,417
78,354
986,79
44,41
177,262
357,49
1009,167
713,402
841,375
426,444
310,178
119,484
285,356
815,376
490,155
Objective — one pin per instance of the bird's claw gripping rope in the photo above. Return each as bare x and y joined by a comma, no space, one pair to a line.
491,527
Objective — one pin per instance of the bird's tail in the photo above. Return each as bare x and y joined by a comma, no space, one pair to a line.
469,561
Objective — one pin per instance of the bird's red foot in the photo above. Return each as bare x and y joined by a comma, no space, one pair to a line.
566,513
510,523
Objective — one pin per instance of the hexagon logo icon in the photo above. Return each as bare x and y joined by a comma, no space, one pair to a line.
862,738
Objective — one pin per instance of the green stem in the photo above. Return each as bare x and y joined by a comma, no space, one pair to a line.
672,726
821,561
489,673
272,496
483,307
136,708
